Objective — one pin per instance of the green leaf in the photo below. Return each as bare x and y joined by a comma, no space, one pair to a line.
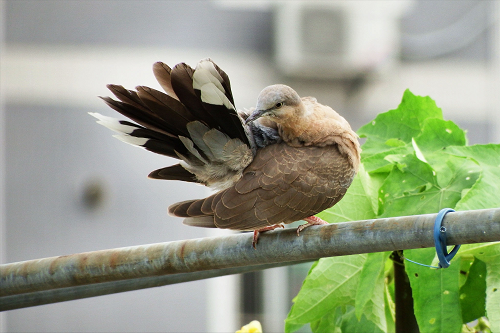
370,295
484,154
401,124
484,193
417,187
473,292
489,253
371,282
390,312
465,264
454,175
377,163
330,323
435,293
395,142
291,327
412,188
374,310
331,283
351,324
437,134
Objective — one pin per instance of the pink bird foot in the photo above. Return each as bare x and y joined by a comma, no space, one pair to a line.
257,232
311,220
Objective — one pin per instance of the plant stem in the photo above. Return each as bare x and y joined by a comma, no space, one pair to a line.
405,316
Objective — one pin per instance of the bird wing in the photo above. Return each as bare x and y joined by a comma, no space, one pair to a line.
195,121
282,184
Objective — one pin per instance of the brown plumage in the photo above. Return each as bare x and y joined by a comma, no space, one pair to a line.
287,160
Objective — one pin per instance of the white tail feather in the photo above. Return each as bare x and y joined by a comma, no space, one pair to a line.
131,140
113,123
208,81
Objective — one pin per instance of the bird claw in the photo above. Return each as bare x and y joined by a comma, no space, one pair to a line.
255,239
311,220
257,232
302,227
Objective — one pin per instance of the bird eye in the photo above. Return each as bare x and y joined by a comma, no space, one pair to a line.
278,105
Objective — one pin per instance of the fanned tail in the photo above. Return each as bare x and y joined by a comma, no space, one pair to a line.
195,122
197,213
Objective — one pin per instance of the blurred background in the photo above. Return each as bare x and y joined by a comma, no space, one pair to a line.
67,186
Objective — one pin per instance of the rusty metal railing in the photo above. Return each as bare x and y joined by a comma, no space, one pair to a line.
56,279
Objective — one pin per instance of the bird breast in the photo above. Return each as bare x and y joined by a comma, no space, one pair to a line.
321,126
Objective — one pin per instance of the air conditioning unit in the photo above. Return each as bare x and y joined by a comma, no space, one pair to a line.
336,39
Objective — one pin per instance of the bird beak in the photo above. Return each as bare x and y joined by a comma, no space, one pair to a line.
255,115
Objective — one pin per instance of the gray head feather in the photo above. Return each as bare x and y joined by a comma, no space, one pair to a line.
271,99
278,94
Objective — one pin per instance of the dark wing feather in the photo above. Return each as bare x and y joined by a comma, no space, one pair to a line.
167,147
174,172
225,82
217,98
162,73
127,96
145,119
182,83
172,113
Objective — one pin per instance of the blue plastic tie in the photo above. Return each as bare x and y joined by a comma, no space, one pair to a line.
440,242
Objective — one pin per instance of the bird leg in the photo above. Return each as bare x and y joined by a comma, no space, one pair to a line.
311,220
257,232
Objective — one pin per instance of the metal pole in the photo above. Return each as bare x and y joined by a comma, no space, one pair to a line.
235,254
98,289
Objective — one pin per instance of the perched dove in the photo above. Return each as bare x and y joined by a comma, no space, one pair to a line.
286,160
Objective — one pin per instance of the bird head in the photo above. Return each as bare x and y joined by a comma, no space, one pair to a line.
277,102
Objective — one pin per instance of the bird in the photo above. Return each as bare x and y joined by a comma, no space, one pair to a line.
284,160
